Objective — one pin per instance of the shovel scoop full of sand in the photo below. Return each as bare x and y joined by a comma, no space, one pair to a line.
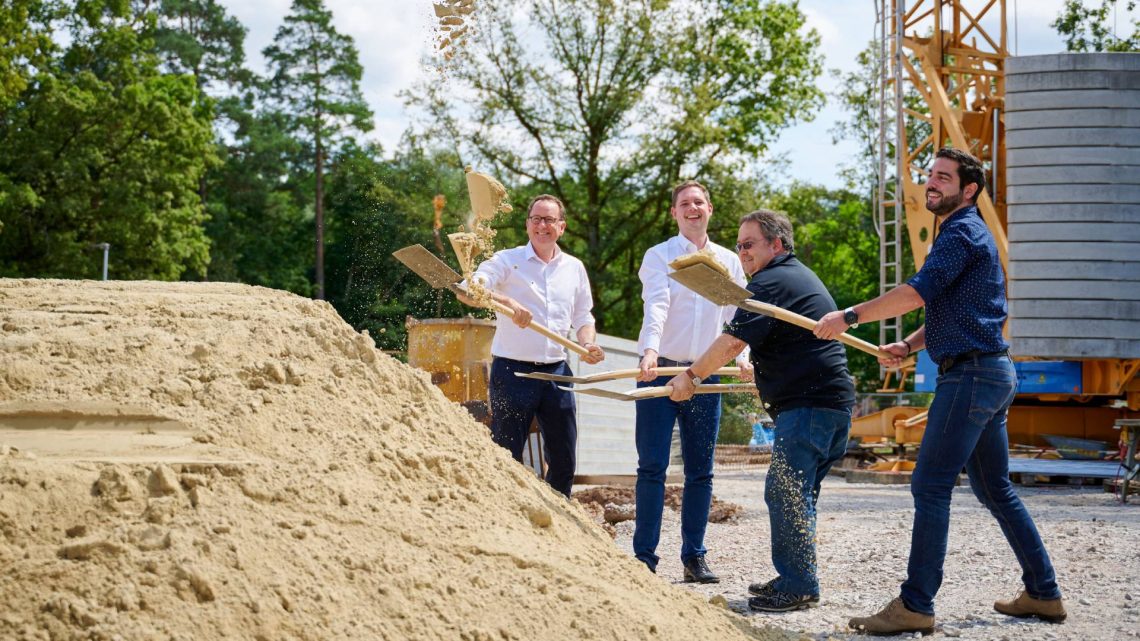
701,257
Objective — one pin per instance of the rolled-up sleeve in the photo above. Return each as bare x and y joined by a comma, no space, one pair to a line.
948,257
655,292
583,301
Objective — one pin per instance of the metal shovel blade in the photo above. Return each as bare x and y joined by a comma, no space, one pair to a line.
711,284
428,266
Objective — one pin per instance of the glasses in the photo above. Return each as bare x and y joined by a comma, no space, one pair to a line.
745,246
545,220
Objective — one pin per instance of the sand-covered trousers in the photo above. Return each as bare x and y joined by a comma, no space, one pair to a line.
809,440
966,427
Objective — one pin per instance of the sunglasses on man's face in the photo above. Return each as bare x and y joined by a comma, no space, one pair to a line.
746,245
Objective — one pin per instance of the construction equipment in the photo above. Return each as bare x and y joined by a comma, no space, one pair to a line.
943,68
720,289
437,274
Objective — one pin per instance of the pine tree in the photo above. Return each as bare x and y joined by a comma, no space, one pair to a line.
315,83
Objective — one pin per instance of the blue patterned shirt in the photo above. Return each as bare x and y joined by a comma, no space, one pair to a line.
963,286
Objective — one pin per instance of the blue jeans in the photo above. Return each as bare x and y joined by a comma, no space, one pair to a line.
965,427
699,418
809,440
516,401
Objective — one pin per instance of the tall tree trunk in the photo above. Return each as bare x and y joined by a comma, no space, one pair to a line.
320,218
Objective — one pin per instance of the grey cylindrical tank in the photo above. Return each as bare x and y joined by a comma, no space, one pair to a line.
1073,172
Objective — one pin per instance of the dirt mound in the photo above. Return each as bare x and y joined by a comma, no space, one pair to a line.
197,461
615,504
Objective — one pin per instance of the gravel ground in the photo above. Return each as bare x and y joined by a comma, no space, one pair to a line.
864,537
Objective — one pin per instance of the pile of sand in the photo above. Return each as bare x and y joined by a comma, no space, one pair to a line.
203,461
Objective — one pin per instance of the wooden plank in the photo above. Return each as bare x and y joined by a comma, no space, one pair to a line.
1122,252
1072,137
1063,467
1075,212
1109,329
1070,231
1098,117
1032,308
1063,348
1076,289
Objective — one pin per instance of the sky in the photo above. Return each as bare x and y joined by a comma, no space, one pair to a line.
392,36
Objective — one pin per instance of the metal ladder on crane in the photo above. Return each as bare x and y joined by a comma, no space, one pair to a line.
890,154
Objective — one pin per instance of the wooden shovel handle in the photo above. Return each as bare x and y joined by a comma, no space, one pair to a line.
808,324
544,330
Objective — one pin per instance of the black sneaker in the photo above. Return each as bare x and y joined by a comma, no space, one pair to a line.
762,589
777,601
696,570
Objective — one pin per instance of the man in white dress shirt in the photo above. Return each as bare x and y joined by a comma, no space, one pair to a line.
539,282
678,326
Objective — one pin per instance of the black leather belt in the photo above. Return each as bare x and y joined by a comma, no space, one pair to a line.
973,356
668,362
517,362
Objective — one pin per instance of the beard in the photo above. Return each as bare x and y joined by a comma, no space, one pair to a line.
946,204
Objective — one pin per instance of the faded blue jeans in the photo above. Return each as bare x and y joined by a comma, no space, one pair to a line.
809,440
699,420
966,427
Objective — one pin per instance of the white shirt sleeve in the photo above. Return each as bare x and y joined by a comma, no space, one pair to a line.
738,275
491,272
583,302
654,275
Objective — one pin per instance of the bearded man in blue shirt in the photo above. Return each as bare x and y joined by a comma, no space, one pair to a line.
962,287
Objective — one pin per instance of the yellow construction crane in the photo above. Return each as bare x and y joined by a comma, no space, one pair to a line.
942,81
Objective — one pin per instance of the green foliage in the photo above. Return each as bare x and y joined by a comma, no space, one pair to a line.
735,425
1095,29
100,147
608,104
376,207
315,87
259,225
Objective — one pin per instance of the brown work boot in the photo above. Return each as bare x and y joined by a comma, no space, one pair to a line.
894,619
1024,606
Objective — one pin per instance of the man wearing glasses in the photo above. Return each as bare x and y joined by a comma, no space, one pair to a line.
539,282
806,388
678,326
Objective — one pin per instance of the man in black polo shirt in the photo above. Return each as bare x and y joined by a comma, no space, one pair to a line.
806,388
962,286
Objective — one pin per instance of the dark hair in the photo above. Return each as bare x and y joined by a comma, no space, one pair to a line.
773,225
553,199
685,185
969,169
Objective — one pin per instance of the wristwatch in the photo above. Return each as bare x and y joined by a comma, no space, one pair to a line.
693,377
850,317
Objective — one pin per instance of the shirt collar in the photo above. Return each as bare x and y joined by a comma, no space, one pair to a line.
779,260
530,253
962,213
687,245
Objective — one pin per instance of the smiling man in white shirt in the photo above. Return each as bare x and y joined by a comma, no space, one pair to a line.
541,283
678,326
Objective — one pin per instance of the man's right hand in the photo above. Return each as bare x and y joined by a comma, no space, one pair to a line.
648,366
521,315
898,353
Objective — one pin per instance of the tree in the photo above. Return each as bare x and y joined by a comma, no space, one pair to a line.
377,206
315,85
101,147
608,104
1094,29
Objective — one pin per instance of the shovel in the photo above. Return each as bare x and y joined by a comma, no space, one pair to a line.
440,276
617,374
720,289
665,390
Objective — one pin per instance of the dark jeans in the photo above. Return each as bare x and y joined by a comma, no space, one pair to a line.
516,401
699,418
966,427
809,440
